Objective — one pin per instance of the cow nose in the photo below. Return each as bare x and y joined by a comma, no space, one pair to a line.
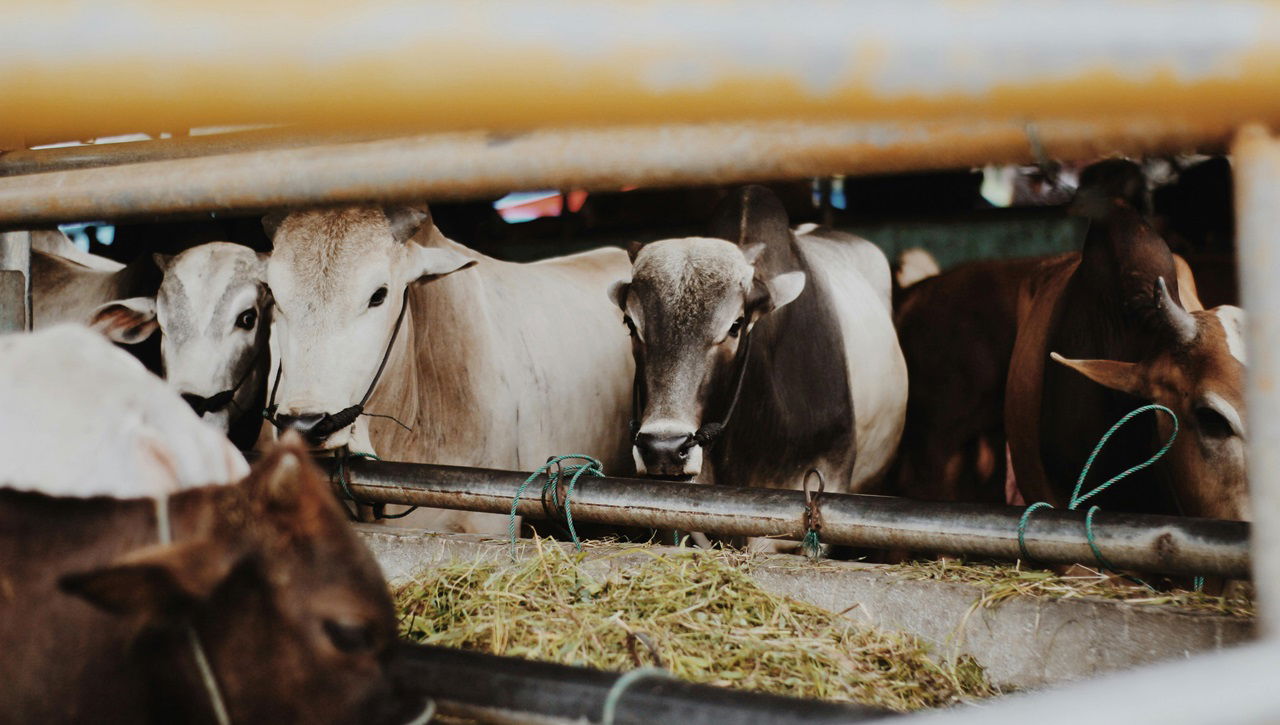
304,423
663,454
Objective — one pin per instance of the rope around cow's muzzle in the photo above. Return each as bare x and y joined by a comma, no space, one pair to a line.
1077,498
573,472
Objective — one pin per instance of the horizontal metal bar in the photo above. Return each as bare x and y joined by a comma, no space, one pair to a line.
266,175
1167,544
509,689
451,64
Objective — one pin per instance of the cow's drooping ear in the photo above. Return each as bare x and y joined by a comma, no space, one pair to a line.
633,250
126,321
162,261
271,222
1125,377
159,580
618,293
405,221
752,252
433,262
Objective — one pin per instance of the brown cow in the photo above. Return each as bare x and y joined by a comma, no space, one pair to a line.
1112,316
263,580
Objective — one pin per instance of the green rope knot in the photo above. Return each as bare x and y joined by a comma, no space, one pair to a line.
1077,498
572,472
811,544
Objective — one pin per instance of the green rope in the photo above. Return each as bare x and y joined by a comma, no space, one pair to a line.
811,545
573,472
1077,498
622,684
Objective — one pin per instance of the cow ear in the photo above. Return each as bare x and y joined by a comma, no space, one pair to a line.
271,222
433,262
126,321
1125,377
405,221
633,250
618,293
784,288
159,580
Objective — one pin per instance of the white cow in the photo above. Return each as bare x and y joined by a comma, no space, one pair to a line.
501,365
213,311
84,418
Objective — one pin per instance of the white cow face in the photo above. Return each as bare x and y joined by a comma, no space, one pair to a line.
213,310
688,305
339,278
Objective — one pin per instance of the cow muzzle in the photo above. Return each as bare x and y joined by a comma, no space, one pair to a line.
316,428
668,456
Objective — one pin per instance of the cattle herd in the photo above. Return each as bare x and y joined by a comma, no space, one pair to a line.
149,573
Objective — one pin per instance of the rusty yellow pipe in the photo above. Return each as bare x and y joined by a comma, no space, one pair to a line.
79,68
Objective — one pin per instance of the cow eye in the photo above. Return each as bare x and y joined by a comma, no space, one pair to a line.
736,327
1212,423
378,297
349,637
247,319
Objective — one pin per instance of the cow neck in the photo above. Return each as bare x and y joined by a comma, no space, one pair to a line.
164,528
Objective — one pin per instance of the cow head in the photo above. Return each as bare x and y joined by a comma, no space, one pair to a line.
288,605
1197,372
339,278
688,306
213,312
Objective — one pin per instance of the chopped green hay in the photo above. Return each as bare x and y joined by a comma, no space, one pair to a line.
1002,581
694,612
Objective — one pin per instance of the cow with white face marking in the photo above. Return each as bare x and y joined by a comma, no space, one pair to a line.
213,311
386,347
762,353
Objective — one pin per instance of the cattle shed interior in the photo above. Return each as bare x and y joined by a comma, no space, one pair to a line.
946,134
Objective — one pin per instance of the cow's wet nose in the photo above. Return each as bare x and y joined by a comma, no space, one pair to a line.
307,424
664,454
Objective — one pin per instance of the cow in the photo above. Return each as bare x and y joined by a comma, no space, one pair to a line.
1104,331
53,241
761,353
67,289
213,312
385,346
135,553
957,331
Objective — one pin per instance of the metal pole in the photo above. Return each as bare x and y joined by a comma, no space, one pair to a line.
1168,544
511,690
450,64
467,165
15,281
1257,189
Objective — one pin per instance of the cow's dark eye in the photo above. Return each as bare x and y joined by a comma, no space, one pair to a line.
348,637
1213,424
378,297
247,319
631,325
736,327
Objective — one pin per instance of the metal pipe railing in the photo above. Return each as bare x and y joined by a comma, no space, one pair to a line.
1167,544
269,174
490,688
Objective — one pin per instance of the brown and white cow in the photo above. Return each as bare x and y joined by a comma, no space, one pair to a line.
129,550
1104,331
500,366
821,383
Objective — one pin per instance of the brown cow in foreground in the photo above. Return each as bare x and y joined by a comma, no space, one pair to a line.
97,616
1112,319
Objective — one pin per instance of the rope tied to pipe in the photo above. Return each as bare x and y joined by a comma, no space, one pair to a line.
379,509
811,544
1078,498
572,472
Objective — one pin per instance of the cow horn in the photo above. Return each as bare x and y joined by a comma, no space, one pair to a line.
1178,320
